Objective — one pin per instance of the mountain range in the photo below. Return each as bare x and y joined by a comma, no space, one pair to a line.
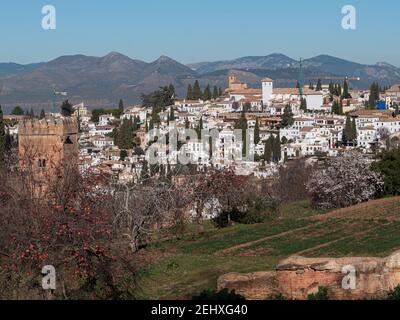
102,81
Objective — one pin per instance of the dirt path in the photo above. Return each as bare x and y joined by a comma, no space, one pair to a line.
227,251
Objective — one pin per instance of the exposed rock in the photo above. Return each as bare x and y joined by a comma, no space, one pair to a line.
297,277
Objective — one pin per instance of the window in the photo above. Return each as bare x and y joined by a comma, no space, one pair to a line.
42,163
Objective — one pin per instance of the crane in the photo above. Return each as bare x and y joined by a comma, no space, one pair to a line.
55,94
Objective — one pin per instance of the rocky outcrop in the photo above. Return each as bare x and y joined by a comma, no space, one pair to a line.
297,277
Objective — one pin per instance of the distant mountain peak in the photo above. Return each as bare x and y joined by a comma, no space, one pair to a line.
165,59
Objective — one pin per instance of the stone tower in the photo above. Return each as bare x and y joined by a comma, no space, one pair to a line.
48,147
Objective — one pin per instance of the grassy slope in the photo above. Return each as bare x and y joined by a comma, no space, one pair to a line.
194,263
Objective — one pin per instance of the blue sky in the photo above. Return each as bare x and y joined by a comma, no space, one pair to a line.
206,30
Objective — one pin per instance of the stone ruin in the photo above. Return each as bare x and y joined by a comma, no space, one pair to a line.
297,277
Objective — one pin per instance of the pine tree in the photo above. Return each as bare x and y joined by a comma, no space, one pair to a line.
197,94
2,140
124,137
287,117
66,109
257,138
189,95
17,111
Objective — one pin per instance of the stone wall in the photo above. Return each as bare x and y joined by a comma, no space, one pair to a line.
298,277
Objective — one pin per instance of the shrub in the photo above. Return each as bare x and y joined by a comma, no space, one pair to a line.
322,294
223,295
394,294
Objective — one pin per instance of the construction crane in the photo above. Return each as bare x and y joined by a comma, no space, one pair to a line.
334,78
55,94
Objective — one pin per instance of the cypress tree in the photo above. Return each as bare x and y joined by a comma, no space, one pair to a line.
268,149
207,93
121,107
220,92
189,95
257,138
242,125
303,105
215,93
197,94
277,149
42,114
319,86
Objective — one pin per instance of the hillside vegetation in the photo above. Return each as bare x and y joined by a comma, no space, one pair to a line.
182,268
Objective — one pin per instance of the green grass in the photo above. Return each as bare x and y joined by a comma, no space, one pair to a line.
193,265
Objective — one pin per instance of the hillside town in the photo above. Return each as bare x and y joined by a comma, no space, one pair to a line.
281,124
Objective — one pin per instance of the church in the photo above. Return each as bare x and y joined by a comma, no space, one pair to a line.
268,96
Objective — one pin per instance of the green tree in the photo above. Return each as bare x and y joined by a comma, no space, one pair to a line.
2,140
42,114
220,92
243,126
388,165
124,137
189,94
374,95
346,94
276,149
350,131
121,107
268,149
303,105
17,111
257,137
207,93
123,154
287,117
199,128
160,99
215,93
197,94
66,109
319,86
